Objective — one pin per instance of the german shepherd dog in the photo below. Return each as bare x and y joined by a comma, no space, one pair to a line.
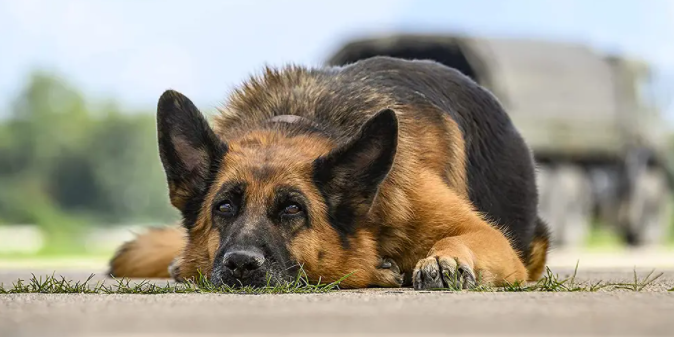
396,172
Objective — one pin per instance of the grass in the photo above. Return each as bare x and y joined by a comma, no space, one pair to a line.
552,283
52,285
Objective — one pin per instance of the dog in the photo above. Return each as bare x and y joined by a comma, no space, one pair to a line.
394,172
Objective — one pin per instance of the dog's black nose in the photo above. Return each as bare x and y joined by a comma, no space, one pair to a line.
242,261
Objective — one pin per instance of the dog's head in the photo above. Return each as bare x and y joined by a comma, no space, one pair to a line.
258,205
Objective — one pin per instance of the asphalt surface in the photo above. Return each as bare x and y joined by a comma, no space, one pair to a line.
380,312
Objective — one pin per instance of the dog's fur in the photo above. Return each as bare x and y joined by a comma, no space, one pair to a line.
398,168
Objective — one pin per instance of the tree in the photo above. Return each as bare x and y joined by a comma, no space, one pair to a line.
64,159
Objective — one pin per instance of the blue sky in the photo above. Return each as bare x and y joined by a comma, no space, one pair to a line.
133,50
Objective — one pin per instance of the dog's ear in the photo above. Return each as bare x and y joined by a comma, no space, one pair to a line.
188,147
349,176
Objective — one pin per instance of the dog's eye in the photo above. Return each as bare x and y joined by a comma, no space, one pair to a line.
225,208
292,209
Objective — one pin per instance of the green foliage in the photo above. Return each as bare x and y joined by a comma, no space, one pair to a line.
65,162
52,285
548,283
552,283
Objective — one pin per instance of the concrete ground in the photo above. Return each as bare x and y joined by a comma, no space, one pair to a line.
381,312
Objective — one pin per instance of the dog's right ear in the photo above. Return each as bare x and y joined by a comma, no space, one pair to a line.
188,147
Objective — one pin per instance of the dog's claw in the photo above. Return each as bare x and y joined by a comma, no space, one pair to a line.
442,272
386,264
390,273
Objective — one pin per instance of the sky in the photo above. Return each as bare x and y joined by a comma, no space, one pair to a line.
132,50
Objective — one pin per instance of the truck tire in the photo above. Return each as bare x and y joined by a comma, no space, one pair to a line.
648,210
570,202
605,196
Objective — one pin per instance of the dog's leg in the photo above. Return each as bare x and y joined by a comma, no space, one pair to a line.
471,251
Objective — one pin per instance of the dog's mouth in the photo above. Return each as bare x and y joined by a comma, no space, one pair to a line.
267,276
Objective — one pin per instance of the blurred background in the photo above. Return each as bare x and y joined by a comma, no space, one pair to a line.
590,84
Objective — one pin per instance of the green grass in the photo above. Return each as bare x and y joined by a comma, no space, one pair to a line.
52,285
552,283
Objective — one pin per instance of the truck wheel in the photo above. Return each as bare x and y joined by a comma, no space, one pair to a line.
648,212
570,202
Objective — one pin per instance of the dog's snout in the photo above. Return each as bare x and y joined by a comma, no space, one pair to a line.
242,261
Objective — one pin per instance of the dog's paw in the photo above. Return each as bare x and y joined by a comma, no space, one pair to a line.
437,272
174,270
388,274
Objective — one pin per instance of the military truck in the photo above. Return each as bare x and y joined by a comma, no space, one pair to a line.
599,146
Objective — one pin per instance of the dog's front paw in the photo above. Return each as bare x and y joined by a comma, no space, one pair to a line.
388,274
437,272
174,270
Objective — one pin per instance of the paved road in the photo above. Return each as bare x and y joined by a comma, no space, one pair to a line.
347,313
357,313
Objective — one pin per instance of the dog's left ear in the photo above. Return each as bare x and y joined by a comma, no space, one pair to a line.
349,176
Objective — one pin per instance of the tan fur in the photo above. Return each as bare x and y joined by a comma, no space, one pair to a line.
414,216
240,162
539,254
149,254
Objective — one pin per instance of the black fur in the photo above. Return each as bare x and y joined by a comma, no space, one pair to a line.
500,168
349,176
249,230
179,119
